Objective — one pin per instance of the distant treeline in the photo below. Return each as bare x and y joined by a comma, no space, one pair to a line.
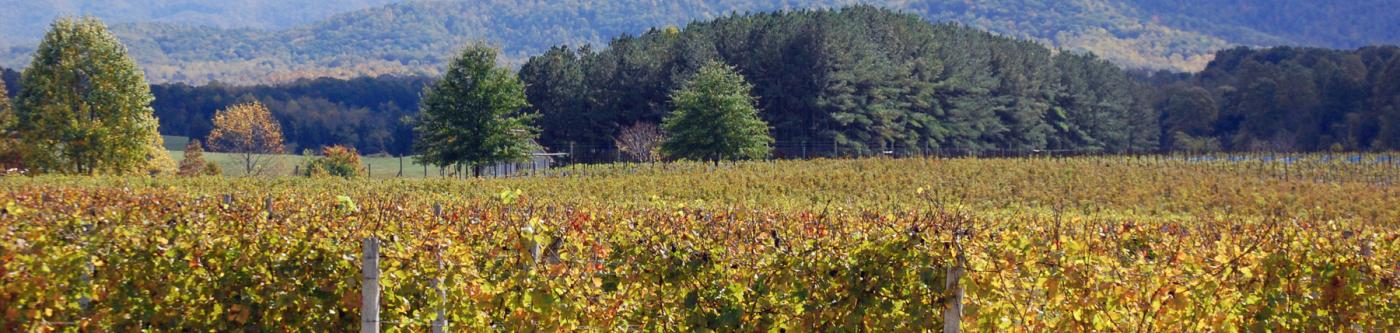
372,114
866,79
862,80
1286,99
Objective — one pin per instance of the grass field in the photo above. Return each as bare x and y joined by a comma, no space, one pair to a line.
1043,244
284,165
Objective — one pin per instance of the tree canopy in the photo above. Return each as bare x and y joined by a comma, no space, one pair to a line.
248,130
854,81
715,118
9,139
474,115
862,81
1288,99
85,107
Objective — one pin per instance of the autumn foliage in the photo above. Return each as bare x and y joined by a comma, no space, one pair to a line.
1051,245
249,130
85,107
336,161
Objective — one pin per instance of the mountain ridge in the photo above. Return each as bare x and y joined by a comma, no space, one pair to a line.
416,37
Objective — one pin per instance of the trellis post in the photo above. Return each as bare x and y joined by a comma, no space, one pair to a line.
369,289
440,324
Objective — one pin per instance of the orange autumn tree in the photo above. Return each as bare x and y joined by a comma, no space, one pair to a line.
249,130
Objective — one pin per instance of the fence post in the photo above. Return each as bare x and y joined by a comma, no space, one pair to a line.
440,324
369,289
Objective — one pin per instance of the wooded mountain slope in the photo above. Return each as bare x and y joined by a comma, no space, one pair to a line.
24,21
266,41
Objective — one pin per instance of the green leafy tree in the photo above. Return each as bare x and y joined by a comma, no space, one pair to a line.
1188,113
9,140
8,118
474,114
715,118
1387,105
85,107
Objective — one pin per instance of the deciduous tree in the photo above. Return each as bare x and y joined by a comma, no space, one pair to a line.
249,130
85,107
474,114
641,142
715,118
9,139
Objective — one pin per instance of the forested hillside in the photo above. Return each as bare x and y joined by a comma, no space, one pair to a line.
189,45
1287,99
24,21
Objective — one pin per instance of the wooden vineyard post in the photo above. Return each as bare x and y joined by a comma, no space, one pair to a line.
369,288
440,324
84,302
953,306
267,205
952,309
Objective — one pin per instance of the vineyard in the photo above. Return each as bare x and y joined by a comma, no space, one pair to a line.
1035,244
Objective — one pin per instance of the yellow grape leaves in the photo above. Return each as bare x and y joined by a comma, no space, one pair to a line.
1080,244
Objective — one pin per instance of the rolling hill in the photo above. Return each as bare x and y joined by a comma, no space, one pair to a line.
24,21
416,37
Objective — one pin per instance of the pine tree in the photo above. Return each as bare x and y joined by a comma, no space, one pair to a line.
715,119
85,107
473,115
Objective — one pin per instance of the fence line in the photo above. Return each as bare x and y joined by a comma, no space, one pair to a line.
562,164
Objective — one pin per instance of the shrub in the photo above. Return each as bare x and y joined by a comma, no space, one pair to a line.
335,161
194,164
